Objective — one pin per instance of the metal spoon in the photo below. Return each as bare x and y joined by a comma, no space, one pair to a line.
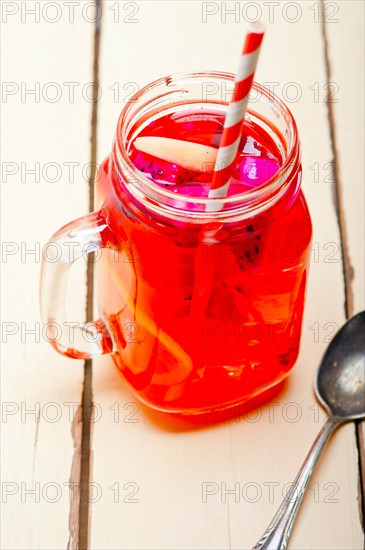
340,388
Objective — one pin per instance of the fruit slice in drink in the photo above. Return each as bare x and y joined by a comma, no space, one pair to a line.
175,364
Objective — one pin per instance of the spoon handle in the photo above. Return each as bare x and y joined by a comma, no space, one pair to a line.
277,534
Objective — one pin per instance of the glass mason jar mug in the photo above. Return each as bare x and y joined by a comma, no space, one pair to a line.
200,306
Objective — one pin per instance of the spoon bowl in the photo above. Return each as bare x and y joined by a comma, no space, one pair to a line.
340,384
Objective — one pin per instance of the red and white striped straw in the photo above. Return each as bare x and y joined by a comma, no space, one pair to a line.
233,123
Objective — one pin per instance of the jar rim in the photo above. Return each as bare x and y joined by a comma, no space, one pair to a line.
243,204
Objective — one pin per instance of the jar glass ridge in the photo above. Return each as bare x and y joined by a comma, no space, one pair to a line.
202,90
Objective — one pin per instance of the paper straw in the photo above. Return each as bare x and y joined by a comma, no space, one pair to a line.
233,123
226,156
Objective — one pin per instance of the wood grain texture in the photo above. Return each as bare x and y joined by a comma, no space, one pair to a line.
166,462
41,451
345,40
346,72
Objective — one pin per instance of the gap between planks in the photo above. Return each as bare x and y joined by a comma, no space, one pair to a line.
79,526
348,270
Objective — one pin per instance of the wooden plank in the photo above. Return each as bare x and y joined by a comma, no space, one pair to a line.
49,131
348,144
347,107
168,462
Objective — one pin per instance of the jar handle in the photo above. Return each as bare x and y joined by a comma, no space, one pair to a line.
75,240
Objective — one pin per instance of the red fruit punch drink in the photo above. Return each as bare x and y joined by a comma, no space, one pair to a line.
205,308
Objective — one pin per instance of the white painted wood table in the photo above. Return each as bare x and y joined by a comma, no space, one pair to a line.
66,424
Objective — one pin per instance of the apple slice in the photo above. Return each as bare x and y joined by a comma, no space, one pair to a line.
189,155
184,364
